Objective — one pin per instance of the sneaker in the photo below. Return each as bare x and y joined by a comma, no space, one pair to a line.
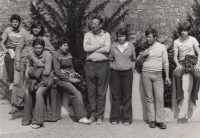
192,104
92,119
99,121
36,126
84,121
161,125
152,124
114,123
180,103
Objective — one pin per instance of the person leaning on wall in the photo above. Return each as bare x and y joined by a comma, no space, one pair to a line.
11,39
122,63
185,49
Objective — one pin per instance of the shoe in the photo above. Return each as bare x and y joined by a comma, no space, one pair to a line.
180,103
99,121
13,110
84,121
92,119
25,124
127,123
36,126
114,123
192,104
152,124
161,125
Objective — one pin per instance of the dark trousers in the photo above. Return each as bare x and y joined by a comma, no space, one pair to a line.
34,108
75,98
121,89
178,81
9,67
97,78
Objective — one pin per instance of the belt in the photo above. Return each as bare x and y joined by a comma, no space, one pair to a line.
103,61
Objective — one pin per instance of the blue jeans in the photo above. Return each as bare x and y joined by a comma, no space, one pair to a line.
154,91
34,108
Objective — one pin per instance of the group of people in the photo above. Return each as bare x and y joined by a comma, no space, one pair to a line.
36,66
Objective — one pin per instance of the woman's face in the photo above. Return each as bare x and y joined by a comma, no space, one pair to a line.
64,47
121,38
37,30
15,23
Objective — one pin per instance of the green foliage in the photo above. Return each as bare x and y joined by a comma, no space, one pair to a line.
69,19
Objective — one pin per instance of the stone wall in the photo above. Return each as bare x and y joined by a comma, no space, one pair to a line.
161,14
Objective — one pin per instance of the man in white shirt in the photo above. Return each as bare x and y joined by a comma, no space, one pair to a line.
97,45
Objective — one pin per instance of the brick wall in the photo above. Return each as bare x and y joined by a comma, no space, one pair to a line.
161,14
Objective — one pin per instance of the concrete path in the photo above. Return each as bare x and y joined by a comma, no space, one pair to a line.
10,127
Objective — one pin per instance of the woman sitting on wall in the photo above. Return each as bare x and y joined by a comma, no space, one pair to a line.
21,59
11,39
122,62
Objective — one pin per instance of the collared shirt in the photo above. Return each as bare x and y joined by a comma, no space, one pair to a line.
185,48
122,47
45,58
92,45
13,38
122,60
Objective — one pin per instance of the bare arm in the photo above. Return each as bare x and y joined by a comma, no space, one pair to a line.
4,38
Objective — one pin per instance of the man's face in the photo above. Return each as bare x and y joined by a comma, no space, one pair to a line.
36,30
38,49
96,25
64,47
184,33
15,23
150,39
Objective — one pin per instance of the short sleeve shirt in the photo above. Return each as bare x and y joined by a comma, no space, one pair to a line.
13,38
185,48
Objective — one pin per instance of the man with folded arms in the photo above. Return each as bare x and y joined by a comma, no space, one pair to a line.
97,45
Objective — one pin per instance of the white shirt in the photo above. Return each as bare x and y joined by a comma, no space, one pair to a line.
186,47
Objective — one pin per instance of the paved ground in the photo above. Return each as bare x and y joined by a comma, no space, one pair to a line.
10,127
